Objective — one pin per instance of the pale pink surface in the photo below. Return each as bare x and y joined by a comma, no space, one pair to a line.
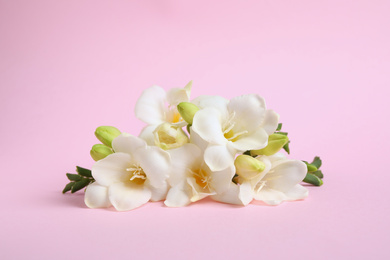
67,67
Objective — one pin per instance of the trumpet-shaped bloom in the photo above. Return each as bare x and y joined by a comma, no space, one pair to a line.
241,124
191,179
277,183
130,177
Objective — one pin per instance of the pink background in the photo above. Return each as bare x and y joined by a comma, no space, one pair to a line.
67,67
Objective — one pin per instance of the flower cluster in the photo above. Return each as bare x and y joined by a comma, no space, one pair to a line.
228,150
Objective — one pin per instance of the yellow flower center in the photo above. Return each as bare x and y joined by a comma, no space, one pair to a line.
202,178
227,129
137,174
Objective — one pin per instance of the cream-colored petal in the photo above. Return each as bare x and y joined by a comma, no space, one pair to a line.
221,180
271,121
285,174
96,196
151,106
147,134
112,169
207,124
160,192
178,95
178,196
127,143
270,196
127,196
251,141
219,157
297,192
236,194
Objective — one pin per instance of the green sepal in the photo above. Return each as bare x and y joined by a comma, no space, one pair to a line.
310,167
282,133
84,172
318,173
279,127
317,162
188,129
78,185
73,177
286,147
68,187
313,179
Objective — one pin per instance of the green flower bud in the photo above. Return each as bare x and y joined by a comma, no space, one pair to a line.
187,111
275,143
168,136
106,134
100,151
248,167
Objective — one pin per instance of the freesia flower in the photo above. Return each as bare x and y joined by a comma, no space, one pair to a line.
241,124
191,179
130,177
278,182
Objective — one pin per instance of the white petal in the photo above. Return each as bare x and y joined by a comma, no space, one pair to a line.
150,106
183,158
197,192
297,192
177,95
156,164
198,141
236,194
276,157
147,134
96,196
252,141
270,196
221,180
127,196
216,102
158,193
270,122
285,174
112,169
127,143
249,111
178,196
207,124
218,157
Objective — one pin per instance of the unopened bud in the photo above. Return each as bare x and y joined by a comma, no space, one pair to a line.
275,143
168,136
187,111
248,167
106,134
100,151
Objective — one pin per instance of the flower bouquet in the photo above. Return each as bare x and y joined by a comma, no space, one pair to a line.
229,150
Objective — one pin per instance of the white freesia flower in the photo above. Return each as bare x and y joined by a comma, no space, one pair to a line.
277,183
241,124
156,106
191,179
130,177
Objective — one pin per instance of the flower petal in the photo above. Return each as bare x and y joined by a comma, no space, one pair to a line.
218,157
186,157
249,111
270,196
177,95
207,124
221,180
127,143
198,141
252,141
236,194
216,102
156,164
285,174
112,169
178,196
270,122
127,196
147,134
150,106
197,192
297,192
158,193
96,196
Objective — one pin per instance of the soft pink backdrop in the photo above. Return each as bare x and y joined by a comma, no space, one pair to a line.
67,67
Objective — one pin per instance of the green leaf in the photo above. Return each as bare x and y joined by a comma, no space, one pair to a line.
279,127
313,179
68,187
80,184
286,147
318,173
317,162
73,177
83,172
